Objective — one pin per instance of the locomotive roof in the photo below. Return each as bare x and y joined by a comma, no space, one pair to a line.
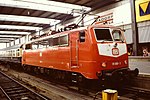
57,34
70,31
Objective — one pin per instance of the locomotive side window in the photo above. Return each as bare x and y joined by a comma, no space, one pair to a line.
35,45
103,34
63,40
82,36
43,43
117,35
40,44
56,41
50,41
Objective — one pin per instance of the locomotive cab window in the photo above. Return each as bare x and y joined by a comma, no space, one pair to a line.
103,35
117,35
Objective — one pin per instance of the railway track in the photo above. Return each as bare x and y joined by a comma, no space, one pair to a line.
50,89
13,90
135,93
128,93
138,88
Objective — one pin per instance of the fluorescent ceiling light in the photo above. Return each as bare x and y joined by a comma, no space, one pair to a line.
27,19
7,39
14,32
9,36
2,41
44,5
20,27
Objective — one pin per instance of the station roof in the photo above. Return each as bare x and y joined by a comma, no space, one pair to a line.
22,17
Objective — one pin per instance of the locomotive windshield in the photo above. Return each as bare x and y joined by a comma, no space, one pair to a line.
103,34
108,35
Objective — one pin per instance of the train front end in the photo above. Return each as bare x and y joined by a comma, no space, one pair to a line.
112,56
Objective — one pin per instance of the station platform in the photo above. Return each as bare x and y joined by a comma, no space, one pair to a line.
140,62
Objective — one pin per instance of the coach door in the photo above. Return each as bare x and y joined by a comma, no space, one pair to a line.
74,49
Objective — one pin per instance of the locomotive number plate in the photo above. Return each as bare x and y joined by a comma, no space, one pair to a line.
115,51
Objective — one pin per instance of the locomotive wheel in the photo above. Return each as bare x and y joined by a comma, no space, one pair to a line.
28,68
46,71
36,70
24,68
8,66
63,75
82,85
58,75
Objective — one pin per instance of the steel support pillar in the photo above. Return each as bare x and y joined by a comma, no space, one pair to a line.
28,37
19,40
9,44
14,42
134,28
6,44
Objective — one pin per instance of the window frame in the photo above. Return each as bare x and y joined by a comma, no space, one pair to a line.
49,40
103,40
66,44
122,36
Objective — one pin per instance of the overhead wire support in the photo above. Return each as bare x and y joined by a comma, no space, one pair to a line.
82,19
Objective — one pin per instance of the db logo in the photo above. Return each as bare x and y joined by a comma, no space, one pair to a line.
115,51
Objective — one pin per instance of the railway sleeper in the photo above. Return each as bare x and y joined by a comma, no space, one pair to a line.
18,91
18,95
14,88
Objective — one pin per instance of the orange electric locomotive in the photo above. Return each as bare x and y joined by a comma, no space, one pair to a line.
82,55
90,53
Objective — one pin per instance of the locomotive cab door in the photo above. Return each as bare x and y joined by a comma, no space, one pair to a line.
74,41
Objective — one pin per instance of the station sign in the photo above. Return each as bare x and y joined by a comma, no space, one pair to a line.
142,10
107,18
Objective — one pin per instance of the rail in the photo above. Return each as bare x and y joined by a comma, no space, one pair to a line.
136,92
14,90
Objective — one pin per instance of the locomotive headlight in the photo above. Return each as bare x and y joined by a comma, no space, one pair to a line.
104,64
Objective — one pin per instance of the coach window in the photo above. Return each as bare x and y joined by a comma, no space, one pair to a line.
14,53
82,36
18,52
63,40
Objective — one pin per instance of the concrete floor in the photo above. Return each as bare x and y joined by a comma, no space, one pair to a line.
142,63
